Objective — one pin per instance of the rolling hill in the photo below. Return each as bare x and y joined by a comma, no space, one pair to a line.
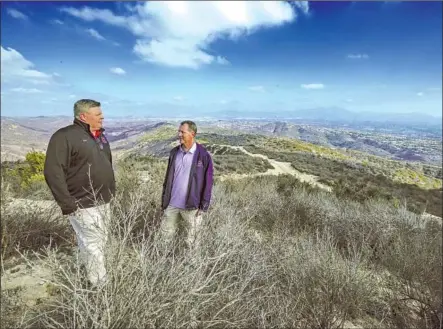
396,143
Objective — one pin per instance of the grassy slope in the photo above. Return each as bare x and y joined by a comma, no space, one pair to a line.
226,162
424,176
353,174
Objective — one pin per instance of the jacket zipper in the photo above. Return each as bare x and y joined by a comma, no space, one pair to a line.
101,151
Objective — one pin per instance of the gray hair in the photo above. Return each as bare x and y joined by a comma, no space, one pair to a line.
83,105
191,124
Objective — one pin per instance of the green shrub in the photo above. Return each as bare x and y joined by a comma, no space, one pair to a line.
32,171
25,179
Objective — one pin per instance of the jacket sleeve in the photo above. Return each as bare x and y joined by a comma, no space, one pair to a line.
56,165
207,188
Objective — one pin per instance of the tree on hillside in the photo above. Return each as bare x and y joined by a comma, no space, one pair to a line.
31,170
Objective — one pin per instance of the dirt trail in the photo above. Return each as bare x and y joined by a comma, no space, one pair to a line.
27,283
26,207
279,168
27,204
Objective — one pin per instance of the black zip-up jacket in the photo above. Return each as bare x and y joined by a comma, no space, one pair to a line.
77,166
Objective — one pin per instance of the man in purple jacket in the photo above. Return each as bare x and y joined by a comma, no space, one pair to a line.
187,186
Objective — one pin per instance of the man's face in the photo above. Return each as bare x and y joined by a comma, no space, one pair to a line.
185,136
94,117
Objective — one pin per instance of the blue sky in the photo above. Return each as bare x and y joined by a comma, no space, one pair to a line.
198,58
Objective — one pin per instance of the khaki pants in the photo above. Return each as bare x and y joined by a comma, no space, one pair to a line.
90,227
173,218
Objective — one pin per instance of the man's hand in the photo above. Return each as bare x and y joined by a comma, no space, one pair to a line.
70,211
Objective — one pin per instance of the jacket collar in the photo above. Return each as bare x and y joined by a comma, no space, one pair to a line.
191,150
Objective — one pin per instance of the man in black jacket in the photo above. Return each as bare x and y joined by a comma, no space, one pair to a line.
79,173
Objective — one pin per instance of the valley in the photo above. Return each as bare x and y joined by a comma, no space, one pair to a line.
356,164
351,174
396,142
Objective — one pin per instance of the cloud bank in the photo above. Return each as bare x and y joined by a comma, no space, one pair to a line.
179,33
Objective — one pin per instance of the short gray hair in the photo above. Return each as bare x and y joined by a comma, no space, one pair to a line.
83,105
191,124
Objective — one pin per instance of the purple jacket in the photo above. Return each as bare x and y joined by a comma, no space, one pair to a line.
200,180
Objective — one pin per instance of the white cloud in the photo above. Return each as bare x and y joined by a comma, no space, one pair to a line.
179,98
259,89
49,101
222,61
179,33
92,14
39,82
313,86
358,56
27,90
420,94
349,100
16,14
174,53
93,33
303,5
16,67
72,96
57,21
118,71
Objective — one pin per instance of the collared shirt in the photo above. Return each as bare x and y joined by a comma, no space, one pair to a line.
182,169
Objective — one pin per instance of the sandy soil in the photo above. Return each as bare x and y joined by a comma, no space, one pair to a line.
28,281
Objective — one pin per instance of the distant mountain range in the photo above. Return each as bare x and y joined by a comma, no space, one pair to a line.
336,115
411,142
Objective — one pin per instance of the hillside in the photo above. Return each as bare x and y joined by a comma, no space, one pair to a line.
274,252
355,221
396,142
20,136
265,146
348,173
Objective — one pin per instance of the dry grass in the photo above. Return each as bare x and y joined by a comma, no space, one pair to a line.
26,227
274,253
354,181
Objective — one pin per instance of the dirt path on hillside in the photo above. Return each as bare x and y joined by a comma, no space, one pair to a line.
28,204
26,207
279,168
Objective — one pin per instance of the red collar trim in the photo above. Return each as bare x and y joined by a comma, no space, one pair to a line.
96,133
